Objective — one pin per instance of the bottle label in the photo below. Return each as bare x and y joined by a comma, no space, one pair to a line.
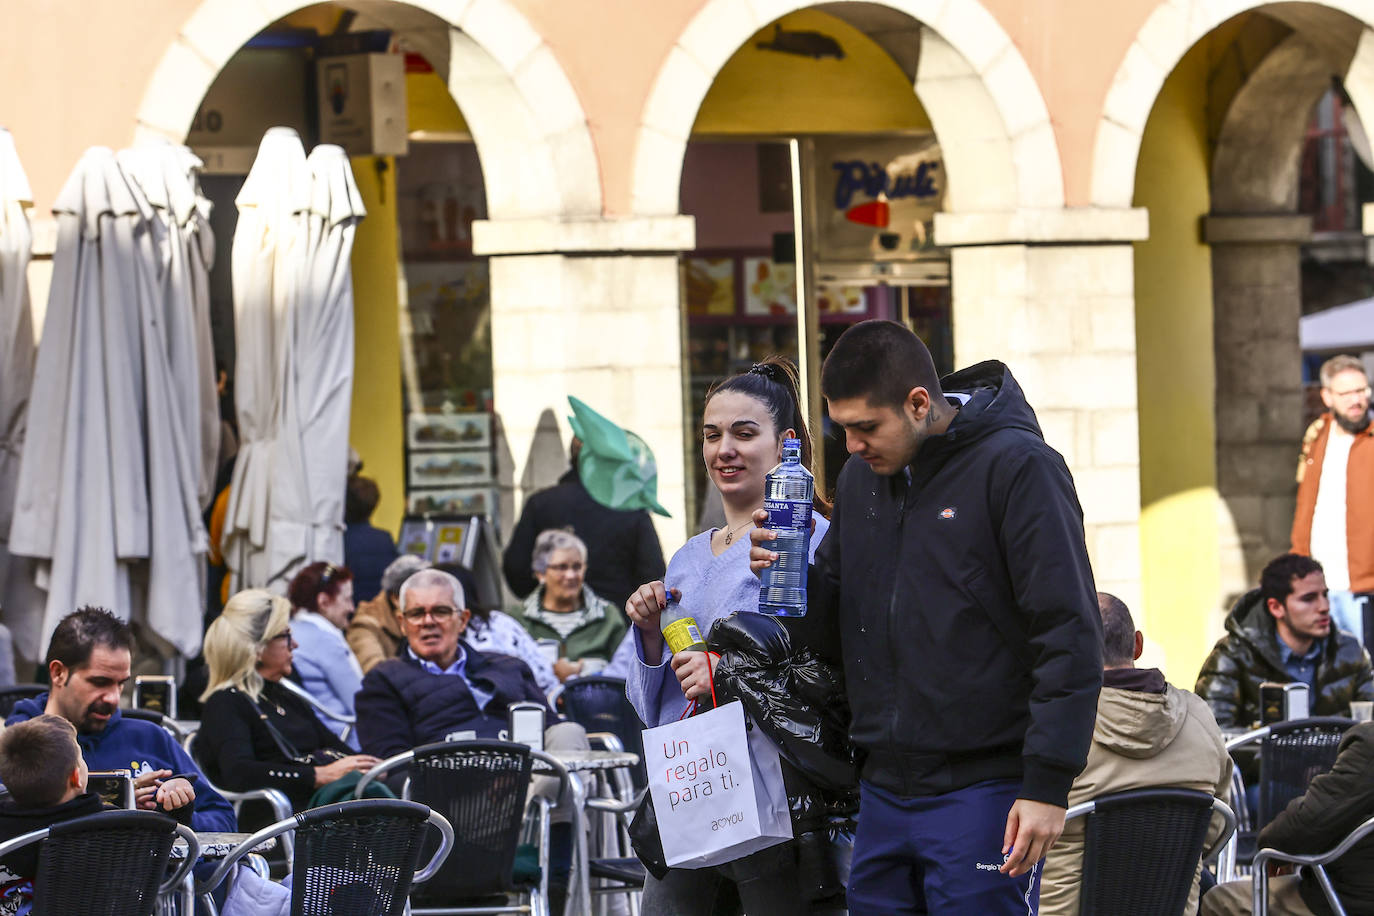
788,514
682,634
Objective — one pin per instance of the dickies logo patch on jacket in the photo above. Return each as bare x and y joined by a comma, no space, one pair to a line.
948,512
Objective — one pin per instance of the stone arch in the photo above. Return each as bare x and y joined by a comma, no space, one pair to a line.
526,120
1167,34
987,110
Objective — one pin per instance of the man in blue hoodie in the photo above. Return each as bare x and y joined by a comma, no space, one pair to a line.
89,661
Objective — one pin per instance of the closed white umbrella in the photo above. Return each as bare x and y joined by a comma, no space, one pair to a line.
82,503
167,176
107,502
16,343
261,543
324,346
171,389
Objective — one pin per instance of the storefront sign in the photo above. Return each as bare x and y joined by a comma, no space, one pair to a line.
362,103
875,198
258,88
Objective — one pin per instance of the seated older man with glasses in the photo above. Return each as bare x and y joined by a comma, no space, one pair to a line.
439,688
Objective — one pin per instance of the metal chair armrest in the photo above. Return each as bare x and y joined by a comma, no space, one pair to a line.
243,849
1248,738
389,763
259,865
607,740
1315,861
319,707
175,879
615,805
19,842
440,854
1229,819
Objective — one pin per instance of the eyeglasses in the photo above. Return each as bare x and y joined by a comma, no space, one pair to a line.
566,567
1356,393
440,612
284,634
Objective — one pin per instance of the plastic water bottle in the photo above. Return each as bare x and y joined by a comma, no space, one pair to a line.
681,633
787,500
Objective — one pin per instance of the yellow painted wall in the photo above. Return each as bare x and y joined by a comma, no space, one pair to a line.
1176,374
375,428
429,107
767,92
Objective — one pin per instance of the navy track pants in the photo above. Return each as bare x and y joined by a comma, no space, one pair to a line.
938,854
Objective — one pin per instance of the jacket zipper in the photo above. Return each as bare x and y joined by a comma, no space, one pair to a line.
892,648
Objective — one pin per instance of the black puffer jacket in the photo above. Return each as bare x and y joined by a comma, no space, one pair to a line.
799,702
1335,803
965,605
1248,655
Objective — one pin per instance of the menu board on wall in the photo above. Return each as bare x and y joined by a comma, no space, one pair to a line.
875,198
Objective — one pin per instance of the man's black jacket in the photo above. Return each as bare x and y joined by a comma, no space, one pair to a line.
1336,803
965,605
623,551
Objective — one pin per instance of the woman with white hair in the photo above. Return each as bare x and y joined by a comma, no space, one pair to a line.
254,733
586,627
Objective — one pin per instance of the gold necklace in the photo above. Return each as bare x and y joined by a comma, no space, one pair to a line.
730,535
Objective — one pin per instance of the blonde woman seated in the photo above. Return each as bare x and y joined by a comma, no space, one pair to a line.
254,734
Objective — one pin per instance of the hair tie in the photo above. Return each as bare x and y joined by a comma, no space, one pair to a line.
769,371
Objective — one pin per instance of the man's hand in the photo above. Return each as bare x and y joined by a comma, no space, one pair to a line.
693,670
146,786
173,794
1032,828
564,669
761,556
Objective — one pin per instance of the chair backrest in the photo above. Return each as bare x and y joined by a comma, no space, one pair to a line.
110,864
1141,850
1290,755
599,704
12,694
356,858
480,787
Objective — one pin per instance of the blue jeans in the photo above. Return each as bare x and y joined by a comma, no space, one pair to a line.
938,854
1347,610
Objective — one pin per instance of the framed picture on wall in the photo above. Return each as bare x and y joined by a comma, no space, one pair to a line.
438,469
452,501
427,431
770,288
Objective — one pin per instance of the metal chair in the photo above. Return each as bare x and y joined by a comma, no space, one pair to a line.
481,787
83,860
177,730
1317,863
358,858
599,704
275,799
613,867
1290,754
348,722
11,695
1141,849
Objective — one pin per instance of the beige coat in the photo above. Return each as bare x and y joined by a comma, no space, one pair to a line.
374,634
1141,740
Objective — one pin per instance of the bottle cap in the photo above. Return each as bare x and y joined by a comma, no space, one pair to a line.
791,443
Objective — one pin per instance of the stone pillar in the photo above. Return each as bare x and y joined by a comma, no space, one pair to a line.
1256,301
1051,294
589,309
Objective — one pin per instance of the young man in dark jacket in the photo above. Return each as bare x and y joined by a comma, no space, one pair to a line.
1283,632
956,573
1335,803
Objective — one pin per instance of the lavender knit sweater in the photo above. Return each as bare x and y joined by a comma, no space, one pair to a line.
712,587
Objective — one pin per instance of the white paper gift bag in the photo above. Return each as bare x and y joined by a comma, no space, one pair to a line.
717,788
